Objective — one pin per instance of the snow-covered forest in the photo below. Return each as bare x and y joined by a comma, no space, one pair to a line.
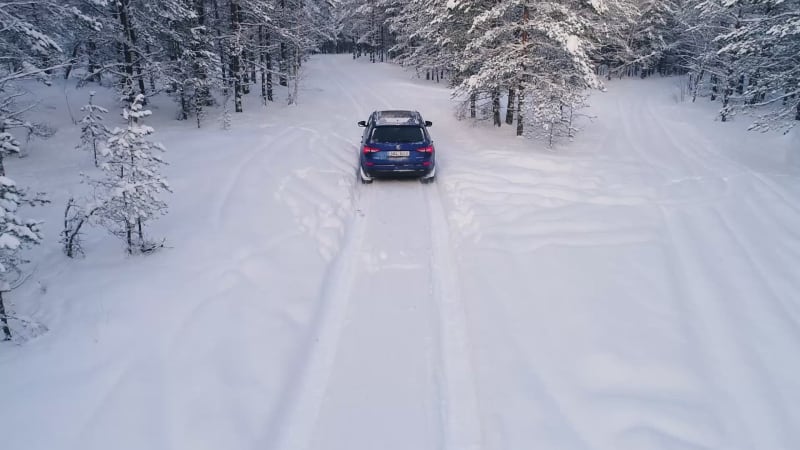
607,259
541,56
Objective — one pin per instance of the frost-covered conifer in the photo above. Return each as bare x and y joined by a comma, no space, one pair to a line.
130,190
94,132
764,42
541,49
16,233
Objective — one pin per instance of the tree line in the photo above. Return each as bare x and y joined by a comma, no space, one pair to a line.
539,56
199,52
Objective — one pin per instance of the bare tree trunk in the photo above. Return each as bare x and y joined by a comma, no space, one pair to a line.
262,60
372,37
252,67
714,87
520,118
295,79
127,50
383,43
184,104
129,236
245,73
696,86
510,108
569,122
283,66
139,74
72,232
202,93
236,63
472,107
496,108
151,74
94,73
4,319
141,233
283,63
72,61
726,98
520,89
222,51
269,66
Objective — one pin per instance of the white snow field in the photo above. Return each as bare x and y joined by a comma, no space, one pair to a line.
636,289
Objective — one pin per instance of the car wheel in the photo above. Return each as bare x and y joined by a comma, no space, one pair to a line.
363,177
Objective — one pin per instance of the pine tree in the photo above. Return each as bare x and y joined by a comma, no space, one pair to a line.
653,37
16,233
94,132
129,192
765,43
541,50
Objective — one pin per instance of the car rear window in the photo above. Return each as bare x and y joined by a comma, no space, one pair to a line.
397,134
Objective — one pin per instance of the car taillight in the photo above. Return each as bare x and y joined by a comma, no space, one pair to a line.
428,149
368,149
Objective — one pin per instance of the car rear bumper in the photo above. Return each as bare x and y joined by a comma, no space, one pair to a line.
410,170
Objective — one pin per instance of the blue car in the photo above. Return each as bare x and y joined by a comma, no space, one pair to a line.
396,144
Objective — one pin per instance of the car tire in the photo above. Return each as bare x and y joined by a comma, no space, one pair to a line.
361,176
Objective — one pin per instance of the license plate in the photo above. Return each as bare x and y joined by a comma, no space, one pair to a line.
398,153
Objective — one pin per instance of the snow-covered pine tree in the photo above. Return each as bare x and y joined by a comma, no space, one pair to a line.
300,26
130,190
423,33
539,48
486,65
190,64
16,232
94,132
715,18
765,43
653,36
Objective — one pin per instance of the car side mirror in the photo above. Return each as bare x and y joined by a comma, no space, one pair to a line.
362,123
428,123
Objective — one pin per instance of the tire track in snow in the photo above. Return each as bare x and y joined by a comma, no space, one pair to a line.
716,163
682,297
458,395
296,414
234,178
456,417
734,365
709,291
783,309
702,150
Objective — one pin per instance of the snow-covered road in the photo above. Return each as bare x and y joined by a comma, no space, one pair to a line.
635,289
390,365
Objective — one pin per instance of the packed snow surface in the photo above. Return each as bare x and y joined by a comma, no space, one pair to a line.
638,288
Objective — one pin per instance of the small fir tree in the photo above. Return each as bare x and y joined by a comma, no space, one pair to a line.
130,190
93,131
